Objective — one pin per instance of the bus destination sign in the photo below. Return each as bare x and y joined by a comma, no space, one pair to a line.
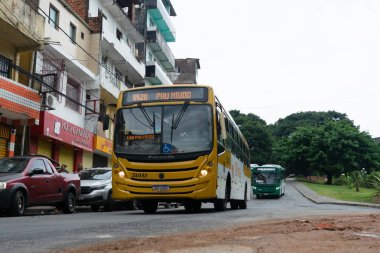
198,94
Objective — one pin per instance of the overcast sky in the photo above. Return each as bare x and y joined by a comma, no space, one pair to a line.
277,57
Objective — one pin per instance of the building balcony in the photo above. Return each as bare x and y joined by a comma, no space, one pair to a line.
123,56
119,10
109,83
72,65
155,75
160,49
21,25
161,17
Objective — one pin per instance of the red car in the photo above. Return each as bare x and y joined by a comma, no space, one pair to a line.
35,181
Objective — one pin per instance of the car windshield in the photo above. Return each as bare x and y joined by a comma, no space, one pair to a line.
100,174
13,165
266,178
168,129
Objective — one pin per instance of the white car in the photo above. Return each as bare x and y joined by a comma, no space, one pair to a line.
96,188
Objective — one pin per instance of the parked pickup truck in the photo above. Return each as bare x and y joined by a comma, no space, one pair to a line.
35,181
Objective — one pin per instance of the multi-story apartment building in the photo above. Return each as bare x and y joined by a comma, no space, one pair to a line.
154,20
67,67
21,34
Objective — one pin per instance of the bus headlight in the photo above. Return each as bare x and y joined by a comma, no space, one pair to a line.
204,173
278,188
121,174
254,187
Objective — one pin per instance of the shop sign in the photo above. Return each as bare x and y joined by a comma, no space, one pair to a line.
67,132
102,144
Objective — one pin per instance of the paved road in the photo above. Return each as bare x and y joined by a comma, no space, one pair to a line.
42,233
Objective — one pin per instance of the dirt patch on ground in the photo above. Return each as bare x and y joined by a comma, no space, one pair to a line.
343,234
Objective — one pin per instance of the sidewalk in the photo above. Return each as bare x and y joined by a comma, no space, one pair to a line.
319,199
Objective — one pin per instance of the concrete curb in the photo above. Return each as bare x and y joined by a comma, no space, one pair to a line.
318,199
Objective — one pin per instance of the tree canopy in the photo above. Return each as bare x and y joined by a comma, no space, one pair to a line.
310,143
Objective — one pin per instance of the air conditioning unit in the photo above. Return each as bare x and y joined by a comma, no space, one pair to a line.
49,102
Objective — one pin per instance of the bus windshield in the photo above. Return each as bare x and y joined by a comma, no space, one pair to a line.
266,177
163,129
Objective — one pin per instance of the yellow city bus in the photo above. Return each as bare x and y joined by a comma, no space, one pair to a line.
178,144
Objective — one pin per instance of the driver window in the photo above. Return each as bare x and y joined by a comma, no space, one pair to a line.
48,167
38,164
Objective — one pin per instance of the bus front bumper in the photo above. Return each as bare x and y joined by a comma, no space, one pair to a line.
194,188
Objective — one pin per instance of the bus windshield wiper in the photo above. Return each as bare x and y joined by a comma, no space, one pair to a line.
146,115
177,120
180,115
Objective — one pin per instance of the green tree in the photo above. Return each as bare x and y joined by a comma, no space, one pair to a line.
286,126
331,148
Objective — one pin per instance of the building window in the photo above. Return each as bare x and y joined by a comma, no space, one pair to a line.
50,77
53,17
119,34
82,35
73,94
73,33
5,68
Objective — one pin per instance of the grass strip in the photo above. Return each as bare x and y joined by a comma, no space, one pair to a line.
343,192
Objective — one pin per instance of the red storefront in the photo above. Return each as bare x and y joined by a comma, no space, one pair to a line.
61,140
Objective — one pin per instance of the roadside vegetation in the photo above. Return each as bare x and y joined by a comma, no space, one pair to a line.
312,144
343,192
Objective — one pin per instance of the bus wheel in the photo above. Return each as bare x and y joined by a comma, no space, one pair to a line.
243,203
234,204
197,205
149,206
192,206
220,205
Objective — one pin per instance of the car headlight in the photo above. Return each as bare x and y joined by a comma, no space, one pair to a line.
3,185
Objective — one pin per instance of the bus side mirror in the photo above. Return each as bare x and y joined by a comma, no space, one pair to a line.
105,118
106,122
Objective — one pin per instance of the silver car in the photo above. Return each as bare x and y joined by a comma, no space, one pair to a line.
96,188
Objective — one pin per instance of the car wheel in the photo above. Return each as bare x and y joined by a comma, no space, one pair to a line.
108,207
95,208
17,207
69,203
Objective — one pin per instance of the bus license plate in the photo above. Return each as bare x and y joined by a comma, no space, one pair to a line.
160,188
